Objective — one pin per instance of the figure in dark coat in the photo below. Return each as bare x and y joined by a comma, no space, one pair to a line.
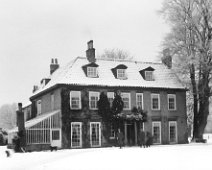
149,139
120,138
141,138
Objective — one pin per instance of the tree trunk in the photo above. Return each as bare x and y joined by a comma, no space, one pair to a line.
195,100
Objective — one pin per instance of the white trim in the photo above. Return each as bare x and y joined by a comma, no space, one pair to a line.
80,126
153,95
129,96
174,97
156,124
176,138
149,79
52,102
92,70
38,102
121,72
95,94
79,95
99,123
142,98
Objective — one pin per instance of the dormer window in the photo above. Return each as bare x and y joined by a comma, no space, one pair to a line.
119,71
149,75
121,74
92,71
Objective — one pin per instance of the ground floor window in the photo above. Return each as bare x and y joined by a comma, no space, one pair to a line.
173,132
76,134
156,132
95,134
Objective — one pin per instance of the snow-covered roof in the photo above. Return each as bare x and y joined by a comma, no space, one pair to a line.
73,74
35,120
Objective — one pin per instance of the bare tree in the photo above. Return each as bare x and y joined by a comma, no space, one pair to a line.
190,43
8,116
115,54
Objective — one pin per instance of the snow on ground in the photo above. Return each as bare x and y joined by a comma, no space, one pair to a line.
163,157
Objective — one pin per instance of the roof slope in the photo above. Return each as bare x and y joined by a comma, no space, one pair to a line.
73,74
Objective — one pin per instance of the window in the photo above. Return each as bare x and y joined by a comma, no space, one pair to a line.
55,134
139,100
121,74
126,99
93,99
76,134
95,134
171,102
155,101
91,71
110,96
173,132
149,75
52,101
38,107
156,132
112,131
75,97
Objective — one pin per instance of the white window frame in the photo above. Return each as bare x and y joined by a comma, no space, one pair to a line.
80,125
95,94
149,76
137,102
99,123
176,138
174,97
79,96
92,71
121,73
110,95
39,108
52,102
156,124
129,97
142,123
154,95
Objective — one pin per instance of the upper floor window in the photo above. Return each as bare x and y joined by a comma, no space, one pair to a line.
92,71
75,99
93,99
139,100
38,107
121,73
155,101
110,96
171,102
149,75
126,99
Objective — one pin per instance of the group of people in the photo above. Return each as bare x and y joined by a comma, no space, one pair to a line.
144,138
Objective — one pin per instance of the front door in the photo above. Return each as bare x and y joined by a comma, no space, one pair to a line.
130,134
56,137
95,134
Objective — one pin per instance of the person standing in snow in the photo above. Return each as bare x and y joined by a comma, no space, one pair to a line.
141,138
120,137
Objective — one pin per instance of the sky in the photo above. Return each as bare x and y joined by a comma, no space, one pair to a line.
34,31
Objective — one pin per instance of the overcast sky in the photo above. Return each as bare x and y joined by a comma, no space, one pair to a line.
34,31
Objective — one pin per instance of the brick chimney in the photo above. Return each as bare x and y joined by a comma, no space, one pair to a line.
54,65
21,124
167,58
35,88
90,52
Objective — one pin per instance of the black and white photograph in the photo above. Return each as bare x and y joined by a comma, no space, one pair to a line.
105,84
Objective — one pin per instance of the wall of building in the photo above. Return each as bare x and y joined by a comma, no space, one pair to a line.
163,115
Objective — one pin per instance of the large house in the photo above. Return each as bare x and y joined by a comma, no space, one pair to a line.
65,113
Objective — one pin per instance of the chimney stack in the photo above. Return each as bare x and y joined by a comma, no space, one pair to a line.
35,88
90,52
21,125
167,58
54,65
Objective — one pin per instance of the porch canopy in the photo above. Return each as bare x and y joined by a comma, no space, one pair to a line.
131,116
38,129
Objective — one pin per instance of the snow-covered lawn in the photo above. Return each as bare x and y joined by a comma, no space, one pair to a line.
166,157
